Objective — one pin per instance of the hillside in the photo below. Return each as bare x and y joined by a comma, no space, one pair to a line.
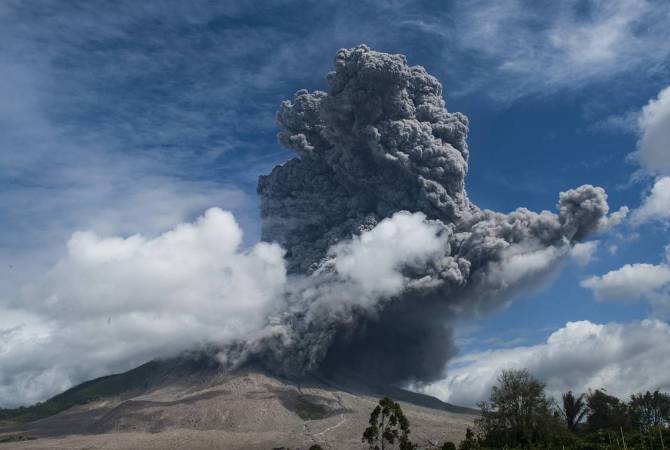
192,403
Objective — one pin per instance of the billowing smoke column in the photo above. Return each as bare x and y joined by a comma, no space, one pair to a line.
383,243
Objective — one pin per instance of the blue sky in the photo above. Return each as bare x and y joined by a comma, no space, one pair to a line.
131,117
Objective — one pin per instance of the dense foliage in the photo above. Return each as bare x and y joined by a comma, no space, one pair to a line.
518,414
650,410
606,412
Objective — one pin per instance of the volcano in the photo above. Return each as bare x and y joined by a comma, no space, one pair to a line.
193,402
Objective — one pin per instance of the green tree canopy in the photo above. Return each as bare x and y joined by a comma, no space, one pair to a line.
606,411
388,427
517,412
573,410
650,410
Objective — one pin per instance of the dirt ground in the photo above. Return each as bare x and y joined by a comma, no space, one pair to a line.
248,411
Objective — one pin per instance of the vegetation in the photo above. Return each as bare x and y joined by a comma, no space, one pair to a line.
470,441
388,426
518,414
606,412
649,411
86,392
574,409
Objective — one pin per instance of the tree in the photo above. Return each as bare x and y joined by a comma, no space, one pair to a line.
517,412
470,442
650,410
574,409
388,426
606,411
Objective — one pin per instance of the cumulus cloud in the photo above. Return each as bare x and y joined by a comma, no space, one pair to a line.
623,358
374,259
193,268
653,155
640,281
55,183
654,145
643,280
115,301
631,281
656,205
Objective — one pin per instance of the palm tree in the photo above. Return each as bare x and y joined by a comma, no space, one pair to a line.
574,409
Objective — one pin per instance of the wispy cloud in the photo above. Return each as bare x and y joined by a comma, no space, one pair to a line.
517,48
122,118
52,184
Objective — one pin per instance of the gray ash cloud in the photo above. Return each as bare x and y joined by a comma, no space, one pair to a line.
382,163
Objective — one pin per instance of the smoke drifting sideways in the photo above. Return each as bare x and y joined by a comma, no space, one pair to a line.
384,249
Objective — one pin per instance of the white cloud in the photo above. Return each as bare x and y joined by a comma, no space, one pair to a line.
374,259
655,206
630,282
54,184
145,154
654,145
115,302
653,155
623,358
639,281
195,268
584,252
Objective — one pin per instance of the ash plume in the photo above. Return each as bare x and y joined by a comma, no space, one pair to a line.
383,246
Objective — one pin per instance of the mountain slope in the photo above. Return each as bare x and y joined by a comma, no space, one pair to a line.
192,403
142,378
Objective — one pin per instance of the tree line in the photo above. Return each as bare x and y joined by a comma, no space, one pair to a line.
519,414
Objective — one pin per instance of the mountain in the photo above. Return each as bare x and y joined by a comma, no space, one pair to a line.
191,402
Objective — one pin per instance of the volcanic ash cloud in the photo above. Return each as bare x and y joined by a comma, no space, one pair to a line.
380,250
384,246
